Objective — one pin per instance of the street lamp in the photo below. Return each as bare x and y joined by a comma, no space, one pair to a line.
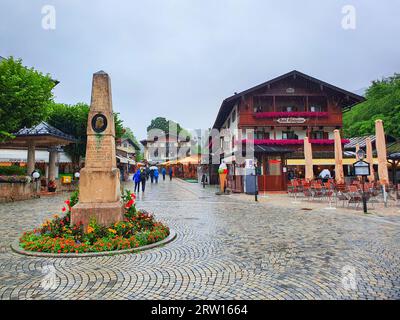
255,181
36,176
362,168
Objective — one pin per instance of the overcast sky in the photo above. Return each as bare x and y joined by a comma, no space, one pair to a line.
181,58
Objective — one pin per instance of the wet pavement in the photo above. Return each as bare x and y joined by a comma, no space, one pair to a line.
226,248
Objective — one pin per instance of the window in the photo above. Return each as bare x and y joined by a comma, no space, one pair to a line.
319,135
258,109
261,135
290,108
274,166
315,108
125,145
228,125
289,135
233,115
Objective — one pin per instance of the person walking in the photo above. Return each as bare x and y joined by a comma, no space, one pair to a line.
204,180
155,173
136,179
143,178
147,173
163,172
170,174
152,175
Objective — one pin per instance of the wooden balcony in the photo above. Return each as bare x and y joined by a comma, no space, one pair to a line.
282,119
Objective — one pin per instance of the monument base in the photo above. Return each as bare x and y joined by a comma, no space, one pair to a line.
105,213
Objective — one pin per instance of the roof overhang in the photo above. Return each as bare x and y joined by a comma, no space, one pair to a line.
227,105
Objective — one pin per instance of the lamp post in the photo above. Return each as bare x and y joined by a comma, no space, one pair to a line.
362,168
36,176
255,182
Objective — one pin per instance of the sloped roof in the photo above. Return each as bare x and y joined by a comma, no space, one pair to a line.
393,148
361,141
133,143
43,129
228,103
358,140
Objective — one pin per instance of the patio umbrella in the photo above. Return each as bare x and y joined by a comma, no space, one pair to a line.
339,175
370,159
381,151
309,175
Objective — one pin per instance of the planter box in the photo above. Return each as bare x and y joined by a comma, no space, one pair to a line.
14,191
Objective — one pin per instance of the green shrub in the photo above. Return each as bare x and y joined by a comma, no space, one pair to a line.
13,170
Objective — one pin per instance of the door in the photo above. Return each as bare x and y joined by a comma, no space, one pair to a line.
273,178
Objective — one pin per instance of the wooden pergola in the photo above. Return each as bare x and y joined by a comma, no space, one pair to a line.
42,135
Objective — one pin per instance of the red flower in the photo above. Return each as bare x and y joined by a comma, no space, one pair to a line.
64,209
129,204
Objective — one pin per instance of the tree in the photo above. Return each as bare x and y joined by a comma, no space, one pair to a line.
72,119
163,124
25,95
383,102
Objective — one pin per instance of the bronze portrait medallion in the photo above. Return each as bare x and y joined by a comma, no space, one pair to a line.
99,123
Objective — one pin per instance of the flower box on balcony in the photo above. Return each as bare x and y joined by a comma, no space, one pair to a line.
272,115
282,142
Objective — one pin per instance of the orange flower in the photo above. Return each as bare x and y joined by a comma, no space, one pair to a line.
90,229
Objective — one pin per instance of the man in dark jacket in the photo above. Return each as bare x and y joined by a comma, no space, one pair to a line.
170,174
143,178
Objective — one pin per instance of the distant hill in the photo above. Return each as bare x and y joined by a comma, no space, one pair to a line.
383,102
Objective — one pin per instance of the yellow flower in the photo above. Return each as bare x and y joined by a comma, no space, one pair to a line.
112,230
90,229
55,216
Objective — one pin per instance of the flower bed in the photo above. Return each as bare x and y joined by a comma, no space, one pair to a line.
138,228
262,115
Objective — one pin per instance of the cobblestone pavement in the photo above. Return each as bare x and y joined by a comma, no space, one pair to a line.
226,249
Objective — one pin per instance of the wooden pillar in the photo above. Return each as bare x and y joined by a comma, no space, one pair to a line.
52,163
31,159
306,103
274,103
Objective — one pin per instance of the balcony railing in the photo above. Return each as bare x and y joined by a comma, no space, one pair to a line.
292,114
283,142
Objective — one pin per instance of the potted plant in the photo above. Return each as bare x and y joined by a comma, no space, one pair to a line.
52,186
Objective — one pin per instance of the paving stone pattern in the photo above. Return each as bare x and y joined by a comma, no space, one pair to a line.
226,248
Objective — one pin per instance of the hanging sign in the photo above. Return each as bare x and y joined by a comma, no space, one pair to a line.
291,120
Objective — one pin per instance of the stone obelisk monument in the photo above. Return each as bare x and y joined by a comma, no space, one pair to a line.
99,186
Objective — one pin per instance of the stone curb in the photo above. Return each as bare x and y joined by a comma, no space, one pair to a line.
16,248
